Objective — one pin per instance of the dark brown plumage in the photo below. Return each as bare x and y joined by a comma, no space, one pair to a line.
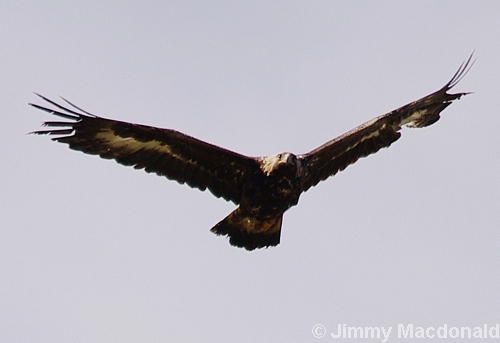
263,187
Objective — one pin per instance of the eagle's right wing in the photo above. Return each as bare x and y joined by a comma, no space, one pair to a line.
162,151
377,133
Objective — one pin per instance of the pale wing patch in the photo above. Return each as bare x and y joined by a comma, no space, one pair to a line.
131,145
368,136
414,118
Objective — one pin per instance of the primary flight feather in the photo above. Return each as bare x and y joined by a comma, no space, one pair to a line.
263,187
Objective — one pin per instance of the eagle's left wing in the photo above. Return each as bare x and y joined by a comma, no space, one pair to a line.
162,151
377,133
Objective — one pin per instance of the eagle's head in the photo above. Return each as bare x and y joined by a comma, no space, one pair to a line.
282,161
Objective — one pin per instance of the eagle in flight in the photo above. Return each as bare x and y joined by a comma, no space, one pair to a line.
263,187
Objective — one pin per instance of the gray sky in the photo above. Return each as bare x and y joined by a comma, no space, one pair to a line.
91,251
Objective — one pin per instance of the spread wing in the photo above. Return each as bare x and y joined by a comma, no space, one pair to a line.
162,151
378,133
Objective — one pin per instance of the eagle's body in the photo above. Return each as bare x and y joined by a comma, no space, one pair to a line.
263,187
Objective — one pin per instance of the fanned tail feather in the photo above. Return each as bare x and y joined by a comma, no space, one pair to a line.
249,232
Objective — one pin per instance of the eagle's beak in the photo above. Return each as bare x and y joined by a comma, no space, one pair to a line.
285,159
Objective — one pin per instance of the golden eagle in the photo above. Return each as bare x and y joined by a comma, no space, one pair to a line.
263,187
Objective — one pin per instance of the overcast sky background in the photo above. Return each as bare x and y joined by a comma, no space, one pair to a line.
91,251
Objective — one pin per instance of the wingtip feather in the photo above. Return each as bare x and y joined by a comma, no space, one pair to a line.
464,68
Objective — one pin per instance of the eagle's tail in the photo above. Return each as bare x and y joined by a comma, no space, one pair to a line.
249,232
